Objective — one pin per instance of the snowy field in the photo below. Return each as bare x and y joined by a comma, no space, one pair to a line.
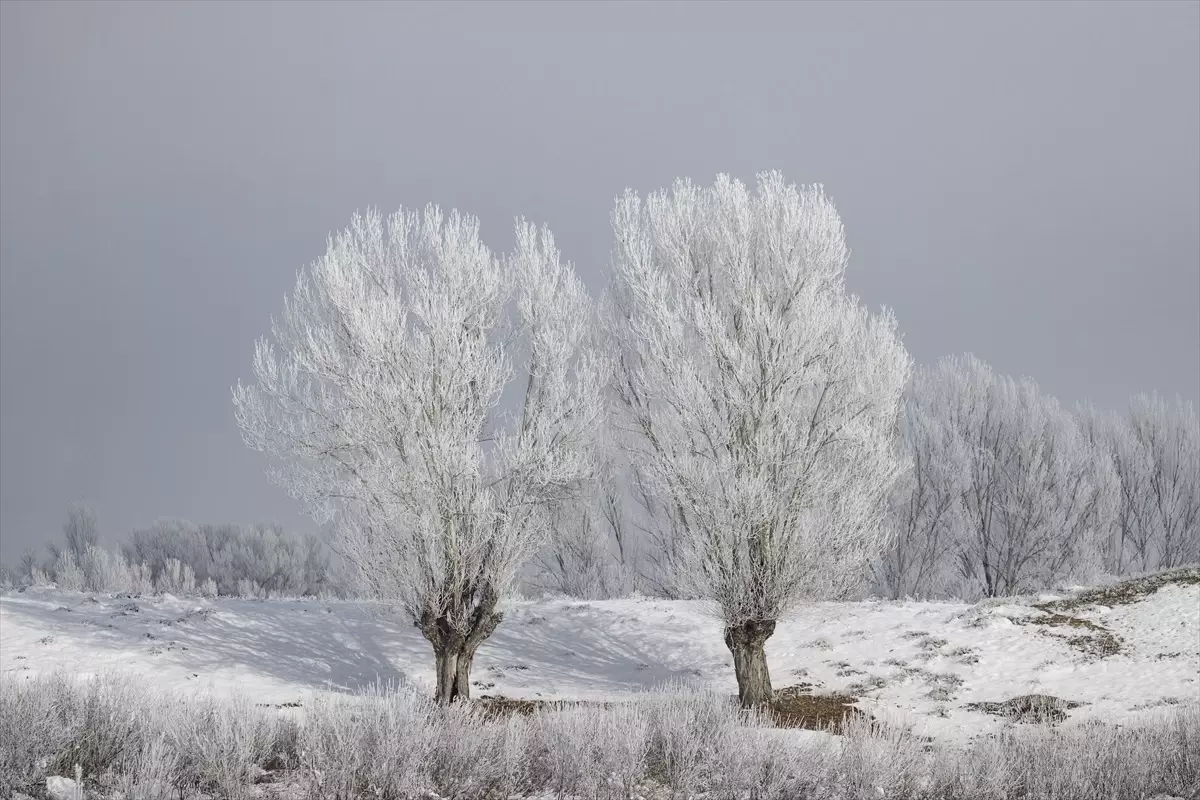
924,663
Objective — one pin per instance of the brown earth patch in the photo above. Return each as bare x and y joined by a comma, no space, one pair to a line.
1029,708
1094,640
793,707
797,707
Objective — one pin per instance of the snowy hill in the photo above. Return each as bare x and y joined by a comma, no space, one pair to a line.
1120,653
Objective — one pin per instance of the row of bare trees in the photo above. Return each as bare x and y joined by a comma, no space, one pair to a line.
1010,492
1006,492
1155,450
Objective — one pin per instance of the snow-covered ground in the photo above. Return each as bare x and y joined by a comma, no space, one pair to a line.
921,662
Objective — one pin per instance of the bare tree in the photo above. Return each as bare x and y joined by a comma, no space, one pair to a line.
28,566
924,509
1164,478
382,410
80,530
1110,432
1038,498
759,398
589,553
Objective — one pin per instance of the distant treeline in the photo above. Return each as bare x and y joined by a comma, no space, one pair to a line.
182,558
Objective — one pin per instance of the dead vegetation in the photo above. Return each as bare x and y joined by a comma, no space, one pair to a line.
1094,639
397,743
1125,592
797,707
793,707
1029,708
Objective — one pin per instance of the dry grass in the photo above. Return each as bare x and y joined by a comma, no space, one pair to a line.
1091,638
396,744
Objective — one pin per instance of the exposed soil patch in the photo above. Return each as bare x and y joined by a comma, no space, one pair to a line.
794,707
288,704
1029,708
1093,639
494,706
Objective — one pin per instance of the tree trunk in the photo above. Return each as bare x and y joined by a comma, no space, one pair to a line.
485,626
446,654
462,675
747,641
454,653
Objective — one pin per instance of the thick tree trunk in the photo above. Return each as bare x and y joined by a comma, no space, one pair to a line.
454,653
485,626
747,641
462,675
447,671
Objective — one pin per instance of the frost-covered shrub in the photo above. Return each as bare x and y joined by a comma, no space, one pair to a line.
687,730
68,574
95,570
29,731
221,559
251,590
154,773
884,760
123,736
235,557
396,743
466,752
175,578
379,742
105,571
593,751
223,744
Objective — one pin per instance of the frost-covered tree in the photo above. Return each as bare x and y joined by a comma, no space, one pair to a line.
27,567
760,399
380,405
924,509
1156,448
592,552
1109,432
80,530
1037,498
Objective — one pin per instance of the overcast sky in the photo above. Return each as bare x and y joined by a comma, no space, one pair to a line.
1019,180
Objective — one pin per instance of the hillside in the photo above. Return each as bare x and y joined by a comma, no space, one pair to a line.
1114,653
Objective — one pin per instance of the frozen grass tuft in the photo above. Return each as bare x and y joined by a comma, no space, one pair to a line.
394,743
123,737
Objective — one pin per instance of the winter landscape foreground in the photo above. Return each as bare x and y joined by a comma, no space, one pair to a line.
1083,693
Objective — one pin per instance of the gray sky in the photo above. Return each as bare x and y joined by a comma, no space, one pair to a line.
1020,180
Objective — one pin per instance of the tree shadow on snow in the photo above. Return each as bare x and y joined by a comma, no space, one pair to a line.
573,653
294,642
